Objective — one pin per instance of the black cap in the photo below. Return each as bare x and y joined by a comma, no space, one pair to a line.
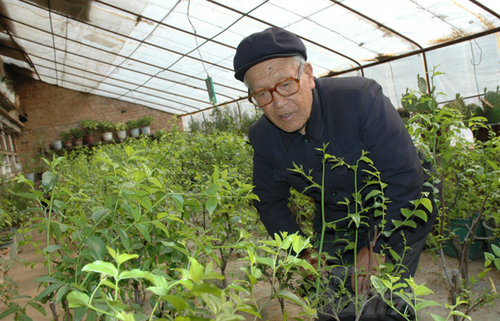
264,45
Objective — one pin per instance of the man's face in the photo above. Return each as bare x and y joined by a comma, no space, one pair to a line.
288,113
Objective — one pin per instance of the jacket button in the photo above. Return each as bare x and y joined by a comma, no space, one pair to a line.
306,139
319,168
333,193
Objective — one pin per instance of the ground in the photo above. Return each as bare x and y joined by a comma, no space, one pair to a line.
429,272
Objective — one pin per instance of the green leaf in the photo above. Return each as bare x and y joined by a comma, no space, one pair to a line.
144,231
111,201
289,296
52,248
212,189
117,305
9,311
421,214
211,204
427,203
61,293
160,291
145,201
123,238
178,201
356,218
101,267
437,317
126,257
378,284
407,213
495,249
48,279
99,213
110,284
48,290
195,270
78,299
80,313
132,210
424,304
373,193
410,223
135,273
155,182
129,150
96,247
139,176
37,307
422,290
206,288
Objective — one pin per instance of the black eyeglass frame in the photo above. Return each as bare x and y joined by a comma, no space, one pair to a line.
274,89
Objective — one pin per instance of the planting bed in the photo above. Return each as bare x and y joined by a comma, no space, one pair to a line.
428,272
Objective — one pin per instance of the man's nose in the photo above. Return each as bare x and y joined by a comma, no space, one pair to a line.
278,100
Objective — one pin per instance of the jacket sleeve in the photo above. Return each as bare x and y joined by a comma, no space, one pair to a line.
273,194
394,155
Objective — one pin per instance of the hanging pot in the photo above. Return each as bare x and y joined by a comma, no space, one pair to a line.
134,132
107,137
89,139
57,145
122,134
30,176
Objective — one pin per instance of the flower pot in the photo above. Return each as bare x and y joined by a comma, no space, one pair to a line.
30,176
68,144
490,227
122,134
89,139
11,244
57,145
459,226
134,132
78,142
146,130
107,137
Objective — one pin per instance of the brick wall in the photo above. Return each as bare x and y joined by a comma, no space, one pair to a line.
52,109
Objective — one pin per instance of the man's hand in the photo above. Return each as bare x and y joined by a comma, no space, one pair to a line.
363,268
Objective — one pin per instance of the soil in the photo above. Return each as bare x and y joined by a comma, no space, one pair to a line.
429,272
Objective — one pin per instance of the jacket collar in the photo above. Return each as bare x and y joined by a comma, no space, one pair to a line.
314,125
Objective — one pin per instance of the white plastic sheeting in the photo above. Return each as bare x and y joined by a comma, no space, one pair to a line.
158,53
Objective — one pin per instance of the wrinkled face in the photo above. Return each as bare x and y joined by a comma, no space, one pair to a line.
288,113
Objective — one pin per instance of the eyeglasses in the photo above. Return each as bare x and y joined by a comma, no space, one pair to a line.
284,88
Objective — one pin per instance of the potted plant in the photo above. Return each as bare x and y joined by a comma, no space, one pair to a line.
107,127
121,130
77,134
90,126
133,126
145,123
66,139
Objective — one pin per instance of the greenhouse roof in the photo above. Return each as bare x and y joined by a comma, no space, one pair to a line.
159,53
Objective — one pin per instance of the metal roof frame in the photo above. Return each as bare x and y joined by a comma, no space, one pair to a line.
250,13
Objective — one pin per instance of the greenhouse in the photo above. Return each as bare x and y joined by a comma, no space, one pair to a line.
249,160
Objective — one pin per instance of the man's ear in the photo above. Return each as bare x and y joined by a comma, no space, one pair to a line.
308,72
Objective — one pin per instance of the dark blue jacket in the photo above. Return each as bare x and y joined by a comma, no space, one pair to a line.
351,115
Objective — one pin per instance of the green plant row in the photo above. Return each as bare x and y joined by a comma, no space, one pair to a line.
90,126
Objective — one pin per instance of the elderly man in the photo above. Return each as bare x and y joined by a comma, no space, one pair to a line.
350,115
